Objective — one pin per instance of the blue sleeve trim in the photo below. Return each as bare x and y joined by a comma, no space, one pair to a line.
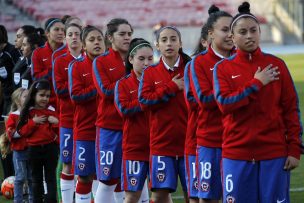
123,110
231,99
189,96
142,100
203,98
99,81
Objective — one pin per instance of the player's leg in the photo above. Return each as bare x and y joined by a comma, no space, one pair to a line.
163,173
108,163
66,153
274,181
240,181
134,174
85,169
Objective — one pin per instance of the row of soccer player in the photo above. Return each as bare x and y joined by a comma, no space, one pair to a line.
121,117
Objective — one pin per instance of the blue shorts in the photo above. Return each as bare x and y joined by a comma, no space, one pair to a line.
251,182
209,172
134,175
84,158
164,171
108,154
66,145
191,177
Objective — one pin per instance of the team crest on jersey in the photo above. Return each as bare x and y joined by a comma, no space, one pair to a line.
230,199
81,166
195,184
133,181
205,187
106,171
65,153
161,177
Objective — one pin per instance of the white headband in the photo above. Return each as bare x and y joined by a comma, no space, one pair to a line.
142,44
241,16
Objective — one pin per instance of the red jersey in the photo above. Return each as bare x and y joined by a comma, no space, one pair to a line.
260,122
39,134
193,109
135,143
17,142
209,127
83,94
168,111
108,69
61,88
42,61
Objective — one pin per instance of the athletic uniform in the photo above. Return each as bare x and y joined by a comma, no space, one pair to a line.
83,94
43,153
66,107
190,143
135,145
108,68
210,127
165,103
261,127
42,62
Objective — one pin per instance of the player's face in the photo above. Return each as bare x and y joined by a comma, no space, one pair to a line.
246,34
220,36
19,38
94,44
169,43
142,59
56,33
73,37
121,39
26,48
42,99
23,97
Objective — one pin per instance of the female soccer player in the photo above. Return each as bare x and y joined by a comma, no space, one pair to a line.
108,69
135,126
66,108
210,129
43,57
161,94
261,141
83,93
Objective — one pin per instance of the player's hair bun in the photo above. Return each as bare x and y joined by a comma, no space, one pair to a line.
244,8
213,9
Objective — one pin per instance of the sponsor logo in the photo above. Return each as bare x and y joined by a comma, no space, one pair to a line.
205,187
44,59
157,82
66,68
65,153
212,69
81,166
111,69
281,201
161,177
230,199
85,74
106,171
133,181
132,91
235,76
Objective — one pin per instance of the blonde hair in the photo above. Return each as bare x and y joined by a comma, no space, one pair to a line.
16,96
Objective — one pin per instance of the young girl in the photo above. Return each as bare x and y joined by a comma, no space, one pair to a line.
135,126
161,94
83,93
108,68
36,125
261,141
43,57
19,147
193,112
210,129
22,69
66,108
